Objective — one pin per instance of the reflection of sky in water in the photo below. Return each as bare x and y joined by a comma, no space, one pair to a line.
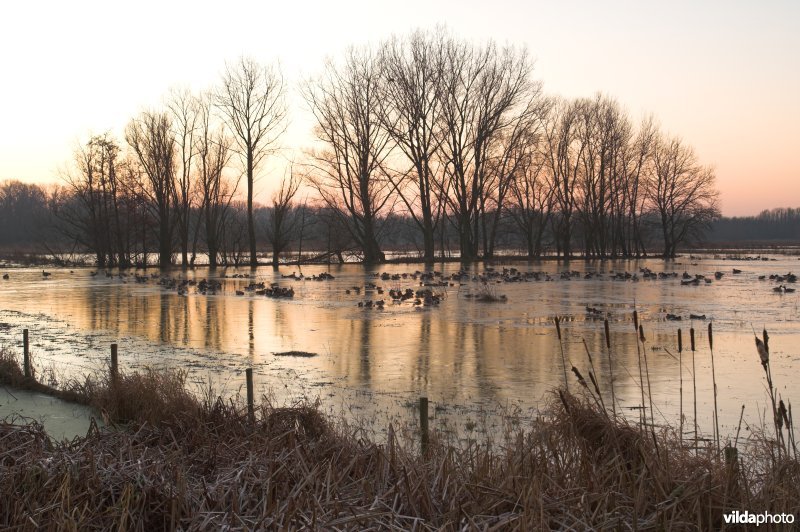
461,353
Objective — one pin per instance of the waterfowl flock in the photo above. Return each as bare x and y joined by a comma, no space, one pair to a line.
429,288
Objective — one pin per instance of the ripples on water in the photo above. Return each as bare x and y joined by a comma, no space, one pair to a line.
467,356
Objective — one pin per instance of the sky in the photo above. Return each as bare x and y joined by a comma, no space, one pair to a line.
722,75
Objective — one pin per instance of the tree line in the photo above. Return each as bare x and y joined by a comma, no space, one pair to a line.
450,143
311,232
780,224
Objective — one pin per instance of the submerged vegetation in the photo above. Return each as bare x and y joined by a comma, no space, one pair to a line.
178,460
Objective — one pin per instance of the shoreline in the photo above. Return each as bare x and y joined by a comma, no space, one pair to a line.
177,460
733,252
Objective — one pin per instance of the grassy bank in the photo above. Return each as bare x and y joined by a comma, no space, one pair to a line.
179,461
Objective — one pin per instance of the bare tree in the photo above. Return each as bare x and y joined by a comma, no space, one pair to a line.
252,98
152,140
531,196
96,214
636,160
484,89
281,221
682,193
410,112
507,158
604,132
349,173
213,154
184,108
564,150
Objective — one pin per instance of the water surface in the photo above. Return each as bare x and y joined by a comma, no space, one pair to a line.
469,357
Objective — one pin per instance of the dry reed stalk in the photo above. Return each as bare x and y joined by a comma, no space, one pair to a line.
592,373
647,373
714,381
643,412
563,358
762,346
694,383
680,378
610,367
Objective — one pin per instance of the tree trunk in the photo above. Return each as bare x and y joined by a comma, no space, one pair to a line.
251,230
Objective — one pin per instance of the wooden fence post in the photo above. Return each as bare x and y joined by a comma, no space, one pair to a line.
423,423
250,408
26,354
114,363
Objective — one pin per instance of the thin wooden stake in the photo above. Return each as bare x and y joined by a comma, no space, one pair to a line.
26,355
114,364
423,423
250,408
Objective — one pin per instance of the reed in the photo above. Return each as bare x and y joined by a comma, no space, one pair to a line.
680,379
714,381
610,367
643,416
694,383
647,374
563,358
178,461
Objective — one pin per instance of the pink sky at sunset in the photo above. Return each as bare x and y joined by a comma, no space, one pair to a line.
722,75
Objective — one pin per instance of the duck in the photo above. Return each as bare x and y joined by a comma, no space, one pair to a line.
45,274
5,277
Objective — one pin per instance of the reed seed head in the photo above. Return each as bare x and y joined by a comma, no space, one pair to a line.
581,380
641,334
680,341
608,334
763,352
635,320
782,414
558,328
710,338
691,338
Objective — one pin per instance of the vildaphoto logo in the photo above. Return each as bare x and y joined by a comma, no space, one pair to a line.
747,518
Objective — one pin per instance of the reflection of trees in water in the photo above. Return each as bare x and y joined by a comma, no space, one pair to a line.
365,377
214,320
420,371
251,337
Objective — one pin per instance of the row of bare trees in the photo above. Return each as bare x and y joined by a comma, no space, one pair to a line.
458,133
454,136
174,181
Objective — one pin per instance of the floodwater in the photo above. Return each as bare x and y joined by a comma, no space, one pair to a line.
470,358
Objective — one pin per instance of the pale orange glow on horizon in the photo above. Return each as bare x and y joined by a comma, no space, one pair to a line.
721,75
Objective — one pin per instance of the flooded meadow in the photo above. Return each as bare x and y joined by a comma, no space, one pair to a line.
474,339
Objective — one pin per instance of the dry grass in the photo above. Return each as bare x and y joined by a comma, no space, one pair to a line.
190,463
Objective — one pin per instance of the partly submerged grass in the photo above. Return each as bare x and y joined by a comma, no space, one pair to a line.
187,462
299,354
